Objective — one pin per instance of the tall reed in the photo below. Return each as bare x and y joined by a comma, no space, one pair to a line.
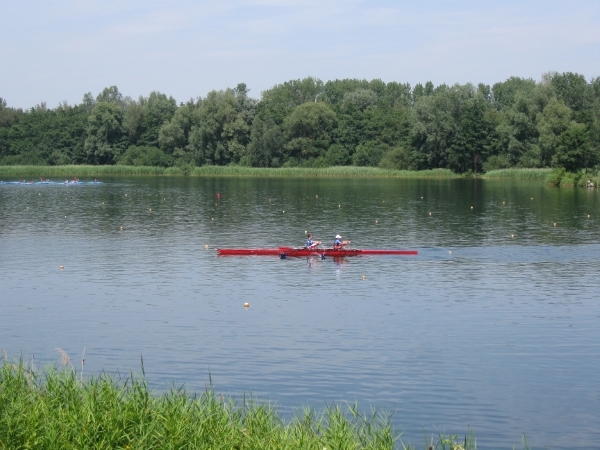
518,174
218,171
54,409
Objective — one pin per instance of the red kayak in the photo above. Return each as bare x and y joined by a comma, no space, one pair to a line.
303,251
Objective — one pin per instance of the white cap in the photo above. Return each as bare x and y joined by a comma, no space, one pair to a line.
337,236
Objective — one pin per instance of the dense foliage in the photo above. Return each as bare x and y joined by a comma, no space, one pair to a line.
308,123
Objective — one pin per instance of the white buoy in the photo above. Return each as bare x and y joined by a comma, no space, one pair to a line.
512,235
364,277
554,223
61,267
206,246
246,305
449,252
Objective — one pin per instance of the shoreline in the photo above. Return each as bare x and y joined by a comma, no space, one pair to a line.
70,171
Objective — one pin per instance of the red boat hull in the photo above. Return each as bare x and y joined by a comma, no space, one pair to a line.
301,252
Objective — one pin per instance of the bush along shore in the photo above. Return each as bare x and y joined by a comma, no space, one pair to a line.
57,408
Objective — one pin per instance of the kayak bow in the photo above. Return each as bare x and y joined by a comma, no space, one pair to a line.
302,251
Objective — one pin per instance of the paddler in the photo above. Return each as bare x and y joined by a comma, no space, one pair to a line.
310,244
338,244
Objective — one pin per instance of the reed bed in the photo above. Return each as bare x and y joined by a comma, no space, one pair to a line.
57,408
518,174
218,171
77,170
328,172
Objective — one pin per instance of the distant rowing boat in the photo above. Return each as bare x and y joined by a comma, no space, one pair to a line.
58,183
303,251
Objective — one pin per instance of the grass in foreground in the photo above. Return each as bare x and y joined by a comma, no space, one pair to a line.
57,409
219,171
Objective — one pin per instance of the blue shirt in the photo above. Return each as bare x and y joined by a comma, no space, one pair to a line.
337,243
309,242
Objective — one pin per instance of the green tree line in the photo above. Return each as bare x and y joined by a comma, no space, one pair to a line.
309,123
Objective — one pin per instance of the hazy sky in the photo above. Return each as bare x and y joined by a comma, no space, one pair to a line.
58,50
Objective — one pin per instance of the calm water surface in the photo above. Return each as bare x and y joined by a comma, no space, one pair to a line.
495,325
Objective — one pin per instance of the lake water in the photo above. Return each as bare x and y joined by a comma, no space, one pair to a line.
494,325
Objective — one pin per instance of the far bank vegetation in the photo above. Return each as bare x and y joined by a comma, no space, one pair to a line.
310,124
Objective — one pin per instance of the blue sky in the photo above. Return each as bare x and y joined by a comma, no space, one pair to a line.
58,50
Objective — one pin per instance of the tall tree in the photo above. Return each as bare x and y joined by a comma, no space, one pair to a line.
105,138
309,130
